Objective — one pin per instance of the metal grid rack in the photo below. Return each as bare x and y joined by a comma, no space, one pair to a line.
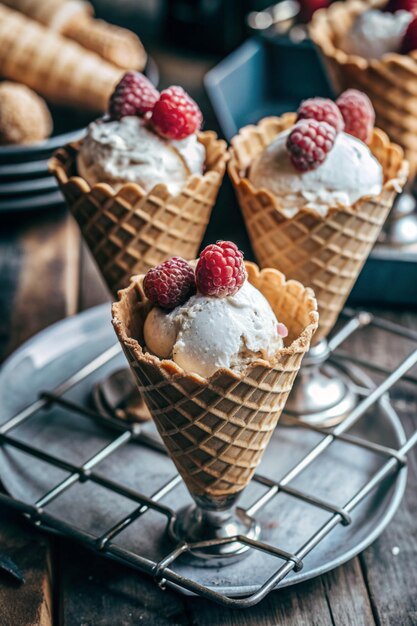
161,571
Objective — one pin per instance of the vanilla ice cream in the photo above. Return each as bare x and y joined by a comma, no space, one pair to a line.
349,172
206,334
118,152
375,33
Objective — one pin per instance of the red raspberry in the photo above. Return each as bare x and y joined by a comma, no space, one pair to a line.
220,270
321,110
176,115
401,5
409,42
309,7
169,284
309,143
358,113
133,95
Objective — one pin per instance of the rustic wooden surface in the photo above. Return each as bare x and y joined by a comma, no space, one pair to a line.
45,274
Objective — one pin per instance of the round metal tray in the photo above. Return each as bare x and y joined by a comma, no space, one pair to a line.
61,350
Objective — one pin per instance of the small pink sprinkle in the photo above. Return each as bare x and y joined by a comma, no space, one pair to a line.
282,330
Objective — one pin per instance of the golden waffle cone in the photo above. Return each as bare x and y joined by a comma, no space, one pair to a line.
129,231
325,254
390,82
57,68
217,429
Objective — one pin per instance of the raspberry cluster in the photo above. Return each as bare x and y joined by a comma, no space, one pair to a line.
172,113
319,120
220,272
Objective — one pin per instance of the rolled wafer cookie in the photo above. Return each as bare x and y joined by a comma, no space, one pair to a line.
75,20
59,69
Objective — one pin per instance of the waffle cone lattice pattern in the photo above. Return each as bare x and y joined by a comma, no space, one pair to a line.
216,430
325,254
390,82
129,231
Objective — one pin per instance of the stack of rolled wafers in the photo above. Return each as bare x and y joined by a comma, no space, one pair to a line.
390,82
49,52
216,430
75,19
325,254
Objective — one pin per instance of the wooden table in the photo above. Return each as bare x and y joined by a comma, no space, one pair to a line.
45,274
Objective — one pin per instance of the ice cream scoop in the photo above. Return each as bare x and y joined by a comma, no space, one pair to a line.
24,116
208,333
117,152
349,172
375,33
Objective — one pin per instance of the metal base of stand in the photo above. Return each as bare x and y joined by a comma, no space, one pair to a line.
400,229
323,394
199,526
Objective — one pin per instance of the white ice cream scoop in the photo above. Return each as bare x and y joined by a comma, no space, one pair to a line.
375,33
127,150
349,172
206,333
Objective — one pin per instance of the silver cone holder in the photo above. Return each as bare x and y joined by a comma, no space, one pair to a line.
323,394
213,526
400,230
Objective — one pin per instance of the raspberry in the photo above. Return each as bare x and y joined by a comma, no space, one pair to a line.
358,113
133,95
220,270
321,110
176,115
409,42
309,143
309,7
401,5
169,284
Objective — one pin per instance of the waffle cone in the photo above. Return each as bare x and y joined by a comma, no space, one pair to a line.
217,429
325,254
129,231
57,68
390,82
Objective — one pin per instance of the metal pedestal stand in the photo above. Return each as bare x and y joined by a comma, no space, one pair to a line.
400,229
211,521
323,393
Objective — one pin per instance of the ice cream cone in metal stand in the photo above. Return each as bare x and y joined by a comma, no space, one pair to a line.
129,231
324,253
217,429
390,82
55,67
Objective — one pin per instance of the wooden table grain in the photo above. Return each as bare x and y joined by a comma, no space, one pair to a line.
46,273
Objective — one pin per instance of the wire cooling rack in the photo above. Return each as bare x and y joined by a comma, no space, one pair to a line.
395,459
